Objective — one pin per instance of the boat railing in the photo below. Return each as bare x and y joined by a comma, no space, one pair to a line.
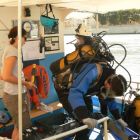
73,131
135,85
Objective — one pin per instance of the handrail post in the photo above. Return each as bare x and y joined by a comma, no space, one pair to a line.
20,68
105,130
138,86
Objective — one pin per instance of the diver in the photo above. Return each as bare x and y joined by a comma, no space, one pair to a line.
87,78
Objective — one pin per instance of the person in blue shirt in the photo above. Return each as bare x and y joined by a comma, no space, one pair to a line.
89,81
92,79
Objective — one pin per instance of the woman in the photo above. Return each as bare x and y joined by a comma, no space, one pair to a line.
10,78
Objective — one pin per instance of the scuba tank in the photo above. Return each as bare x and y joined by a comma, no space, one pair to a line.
136,103
131,113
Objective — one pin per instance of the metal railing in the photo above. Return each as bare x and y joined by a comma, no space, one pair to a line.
136,85
73,131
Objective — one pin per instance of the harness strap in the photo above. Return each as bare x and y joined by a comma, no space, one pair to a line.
100,71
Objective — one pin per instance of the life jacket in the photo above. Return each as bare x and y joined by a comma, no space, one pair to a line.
37,75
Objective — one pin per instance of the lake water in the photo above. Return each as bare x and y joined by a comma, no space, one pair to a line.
132,45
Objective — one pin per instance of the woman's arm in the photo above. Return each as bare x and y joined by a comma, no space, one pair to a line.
7,73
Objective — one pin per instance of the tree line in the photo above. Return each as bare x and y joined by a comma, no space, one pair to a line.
120,17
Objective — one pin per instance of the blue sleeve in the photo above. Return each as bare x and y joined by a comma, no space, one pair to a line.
81,84
114,109
112,105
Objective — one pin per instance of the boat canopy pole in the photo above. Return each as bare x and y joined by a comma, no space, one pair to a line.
6,28
19,68
61,135
97,23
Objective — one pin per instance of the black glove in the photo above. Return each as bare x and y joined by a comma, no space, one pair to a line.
81,113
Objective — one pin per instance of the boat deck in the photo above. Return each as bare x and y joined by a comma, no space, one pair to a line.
37,113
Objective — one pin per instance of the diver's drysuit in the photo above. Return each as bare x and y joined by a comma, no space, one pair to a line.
68,79
66,96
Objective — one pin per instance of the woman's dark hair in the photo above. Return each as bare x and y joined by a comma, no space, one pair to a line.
119,84
13,34
87,41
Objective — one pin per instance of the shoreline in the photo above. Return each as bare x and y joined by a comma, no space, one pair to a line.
109,34
110,30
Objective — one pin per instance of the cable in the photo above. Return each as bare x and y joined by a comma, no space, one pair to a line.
127,72
124,54
119,63
71,42
103,32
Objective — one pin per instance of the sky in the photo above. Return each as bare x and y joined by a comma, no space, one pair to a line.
79,15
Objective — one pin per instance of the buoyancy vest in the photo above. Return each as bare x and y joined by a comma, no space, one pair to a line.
61,65
62,68
39,76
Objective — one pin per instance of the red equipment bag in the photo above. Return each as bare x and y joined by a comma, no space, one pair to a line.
38,75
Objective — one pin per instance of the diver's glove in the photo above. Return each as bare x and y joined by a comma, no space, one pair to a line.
122,123
82,114
90,122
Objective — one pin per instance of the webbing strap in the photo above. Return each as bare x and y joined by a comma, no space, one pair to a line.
117,131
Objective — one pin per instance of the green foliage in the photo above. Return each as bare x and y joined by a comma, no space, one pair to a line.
103,19
120,17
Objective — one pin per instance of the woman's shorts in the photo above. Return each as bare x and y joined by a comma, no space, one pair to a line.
11,103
